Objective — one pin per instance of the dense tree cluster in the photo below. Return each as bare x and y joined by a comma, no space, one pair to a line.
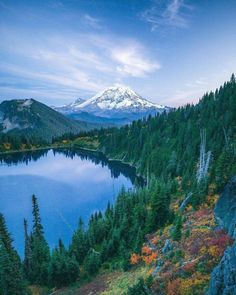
165,149
12,280
17,142
168,145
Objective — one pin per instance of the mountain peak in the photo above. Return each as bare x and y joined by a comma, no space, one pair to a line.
115,102
119,98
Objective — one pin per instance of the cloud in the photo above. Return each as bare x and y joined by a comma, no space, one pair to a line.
91,21
76,63
167,13
132,62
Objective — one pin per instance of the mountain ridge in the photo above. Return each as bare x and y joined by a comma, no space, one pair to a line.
30,118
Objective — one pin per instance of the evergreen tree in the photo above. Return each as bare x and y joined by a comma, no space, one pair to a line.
159,213
177,234
63,268
27,250
92,262
11,275
39,248
79,246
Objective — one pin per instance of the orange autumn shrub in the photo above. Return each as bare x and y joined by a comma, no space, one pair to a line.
134,259
146,250
149,259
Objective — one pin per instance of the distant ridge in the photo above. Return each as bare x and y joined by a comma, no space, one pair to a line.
31,118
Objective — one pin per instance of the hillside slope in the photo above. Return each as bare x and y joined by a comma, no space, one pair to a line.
33,119
187,157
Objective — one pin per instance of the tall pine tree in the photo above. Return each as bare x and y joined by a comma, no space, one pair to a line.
11,275
40,254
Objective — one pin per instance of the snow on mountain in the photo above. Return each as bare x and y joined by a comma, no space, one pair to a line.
115,101
118,98
69,108
77,102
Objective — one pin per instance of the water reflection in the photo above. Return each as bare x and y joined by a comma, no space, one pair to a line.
68,184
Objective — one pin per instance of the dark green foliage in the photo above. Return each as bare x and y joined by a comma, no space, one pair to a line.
63,268
11,275
79,244
92,262
39,250
139,288
165,149
168,145
37,123
177,233
160,200
225,166
28,250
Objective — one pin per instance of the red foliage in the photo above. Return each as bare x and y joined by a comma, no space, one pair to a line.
201,213
189,267
173,287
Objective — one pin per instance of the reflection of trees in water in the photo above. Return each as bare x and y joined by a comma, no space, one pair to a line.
22,157
116,168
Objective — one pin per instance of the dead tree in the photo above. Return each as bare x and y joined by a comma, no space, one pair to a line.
204,159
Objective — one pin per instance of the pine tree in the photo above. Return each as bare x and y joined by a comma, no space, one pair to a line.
63,268
138,241
177,234
159,213
5,235
11,275
92,262
27,250
39,248
79,245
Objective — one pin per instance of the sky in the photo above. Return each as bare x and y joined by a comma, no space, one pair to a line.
169,51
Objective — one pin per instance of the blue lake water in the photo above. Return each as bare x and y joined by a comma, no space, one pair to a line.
67,184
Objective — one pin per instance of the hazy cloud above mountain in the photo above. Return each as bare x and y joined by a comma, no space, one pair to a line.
57,51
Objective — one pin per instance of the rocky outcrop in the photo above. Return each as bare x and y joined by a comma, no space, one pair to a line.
223,277
167,247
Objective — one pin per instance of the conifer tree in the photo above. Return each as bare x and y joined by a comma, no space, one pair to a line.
40,251
92,262
177,234
11,275
27,250
79,246
63,268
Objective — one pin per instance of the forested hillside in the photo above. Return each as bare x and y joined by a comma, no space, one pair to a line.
168,145
166,227
27,122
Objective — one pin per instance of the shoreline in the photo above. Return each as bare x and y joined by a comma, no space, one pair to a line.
94,151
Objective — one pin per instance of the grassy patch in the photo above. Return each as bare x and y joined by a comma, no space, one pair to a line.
120,284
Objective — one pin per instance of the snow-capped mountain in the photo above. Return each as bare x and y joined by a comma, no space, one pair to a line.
115,102
68,108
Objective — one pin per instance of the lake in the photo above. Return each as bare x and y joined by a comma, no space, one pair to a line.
68,185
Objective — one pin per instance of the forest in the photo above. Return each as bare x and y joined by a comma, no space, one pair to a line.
185,156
